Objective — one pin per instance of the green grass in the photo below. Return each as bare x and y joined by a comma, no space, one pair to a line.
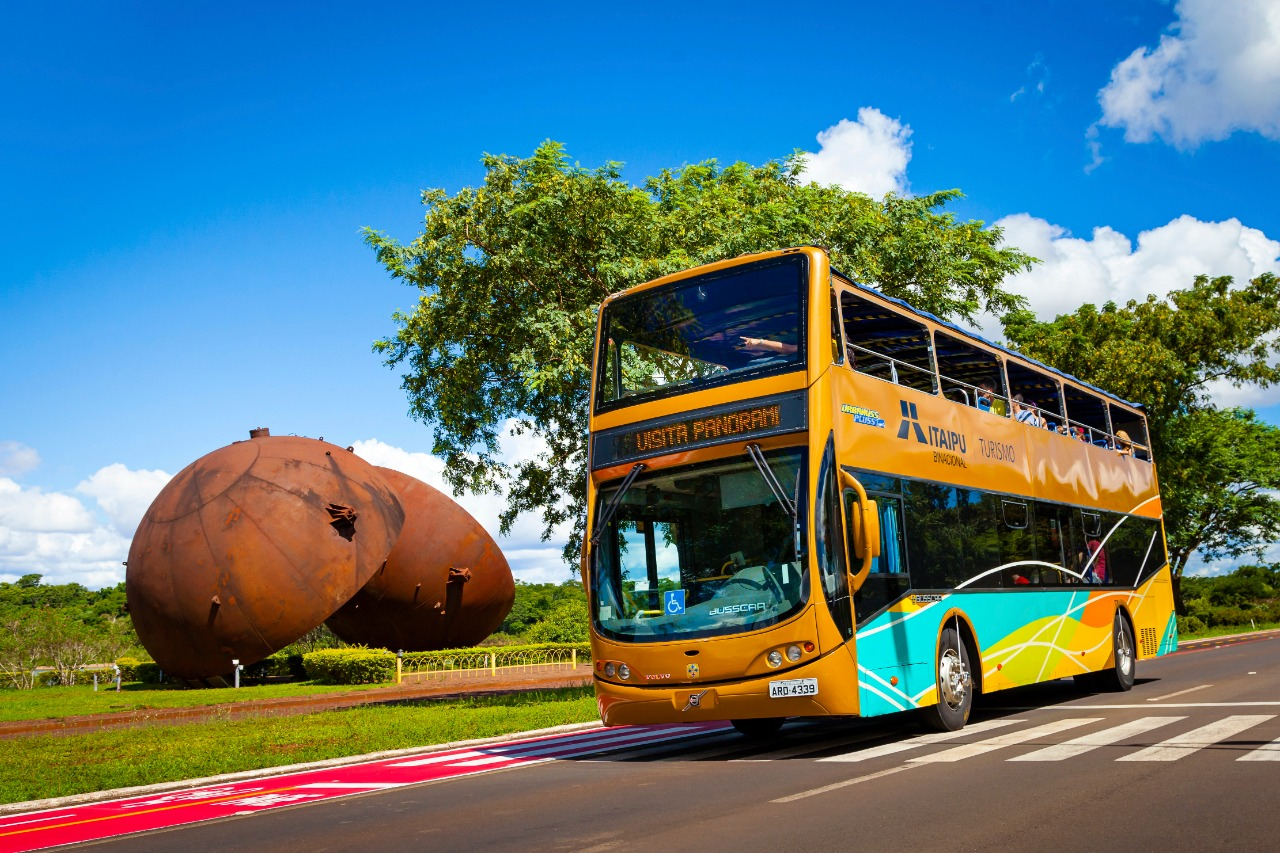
116,759
1225,630
51,703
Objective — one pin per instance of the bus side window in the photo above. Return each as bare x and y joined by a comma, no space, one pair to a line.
1015,542
888,580
1039,390
837,340
884,344
970,375
1087,417
1132,426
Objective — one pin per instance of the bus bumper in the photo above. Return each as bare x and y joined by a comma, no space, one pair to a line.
748,698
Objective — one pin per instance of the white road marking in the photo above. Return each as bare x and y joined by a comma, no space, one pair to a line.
1266,752
1106,737
519,749
959,753
1197,739
812,746
436,759
352,786
579,747
922,740
1179,693
1143,706
37,820
825,788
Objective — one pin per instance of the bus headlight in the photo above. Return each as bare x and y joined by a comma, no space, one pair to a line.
624,671
793,653
774,658
610,670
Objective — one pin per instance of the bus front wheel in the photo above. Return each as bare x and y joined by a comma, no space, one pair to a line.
1120,677
761,729
955,686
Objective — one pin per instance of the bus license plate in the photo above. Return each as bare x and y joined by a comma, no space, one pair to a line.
793,687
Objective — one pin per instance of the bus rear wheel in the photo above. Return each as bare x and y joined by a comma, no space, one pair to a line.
761,729
955,686
1120,677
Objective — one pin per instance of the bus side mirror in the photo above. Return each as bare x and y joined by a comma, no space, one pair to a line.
864,524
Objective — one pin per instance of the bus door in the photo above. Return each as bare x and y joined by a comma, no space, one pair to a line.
888,579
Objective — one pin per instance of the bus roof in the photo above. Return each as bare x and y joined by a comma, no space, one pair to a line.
976,337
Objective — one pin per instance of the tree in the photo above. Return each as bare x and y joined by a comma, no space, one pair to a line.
23,645
511,275
1219,468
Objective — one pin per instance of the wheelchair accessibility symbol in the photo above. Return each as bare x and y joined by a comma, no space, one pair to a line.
673,602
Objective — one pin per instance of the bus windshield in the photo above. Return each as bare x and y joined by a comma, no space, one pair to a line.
702,551
717,327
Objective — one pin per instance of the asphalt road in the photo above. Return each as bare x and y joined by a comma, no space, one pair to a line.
1189,760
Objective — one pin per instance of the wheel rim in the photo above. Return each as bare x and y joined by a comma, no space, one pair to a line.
953,681
1124,650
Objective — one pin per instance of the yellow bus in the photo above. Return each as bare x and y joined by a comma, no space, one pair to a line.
808,499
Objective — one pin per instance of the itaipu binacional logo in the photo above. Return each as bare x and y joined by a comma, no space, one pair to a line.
949,442
692,669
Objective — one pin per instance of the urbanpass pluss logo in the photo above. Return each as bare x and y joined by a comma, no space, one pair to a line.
692,669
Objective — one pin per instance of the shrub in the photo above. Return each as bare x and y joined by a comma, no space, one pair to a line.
1190,625
350,666
282,664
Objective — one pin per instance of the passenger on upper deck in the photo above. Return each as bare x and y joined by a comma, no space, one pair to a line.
986,400
1123,444
1025,411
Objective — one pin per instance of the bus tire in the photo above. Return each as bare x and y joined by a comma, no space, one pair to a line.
760,729
1120,677
955,686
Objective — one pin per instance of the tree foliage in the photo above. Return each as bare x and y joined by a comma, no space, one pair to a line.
511,274
1219,467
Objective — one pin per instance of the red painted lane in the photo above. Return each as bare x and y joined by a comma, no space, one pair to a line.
36,830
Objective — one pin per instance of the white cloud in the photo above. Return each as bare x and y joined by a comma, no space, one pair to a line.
531,559
123,494
1217,73
29,509
17,459
54,535
869,155
1107,267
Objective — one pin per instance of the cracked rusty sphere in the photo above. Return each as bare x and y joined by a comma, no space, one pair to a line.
253,545
445,585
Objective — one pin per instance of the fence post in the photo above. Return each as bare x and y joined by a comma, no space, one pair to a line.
574,658
493,664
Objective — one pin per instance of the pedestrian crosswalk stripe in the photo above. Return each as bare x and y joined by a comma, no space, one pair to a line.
1093,740
1266,752
959,753
922,740
1205,736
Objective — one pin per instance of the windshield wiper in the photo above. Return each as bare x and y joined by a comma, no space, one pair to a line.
612,506
788,505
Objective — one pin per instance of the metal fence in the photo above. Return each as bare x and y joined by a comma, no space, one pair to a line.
491,664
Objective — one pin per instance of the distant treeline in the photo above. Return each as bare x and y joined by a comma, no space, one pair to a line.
62,627
1248,593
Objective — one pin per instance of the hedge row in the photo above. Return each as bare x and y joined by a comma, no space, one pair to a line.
132,669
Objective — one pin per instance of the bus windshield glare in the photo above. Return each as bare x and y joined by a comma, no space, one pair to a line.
701,551
716,327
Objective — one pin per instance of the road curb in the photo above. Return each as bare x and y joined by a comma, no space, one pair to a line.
7,809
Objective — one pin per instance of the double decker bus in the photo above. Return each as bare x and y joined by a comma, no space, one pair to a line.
809,499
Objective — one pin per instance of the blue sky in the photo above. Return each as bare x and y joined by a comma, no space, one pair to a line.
184,185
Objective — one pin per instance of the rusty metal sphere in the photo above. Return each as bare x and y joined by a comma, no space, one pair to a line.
253,545
445,584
